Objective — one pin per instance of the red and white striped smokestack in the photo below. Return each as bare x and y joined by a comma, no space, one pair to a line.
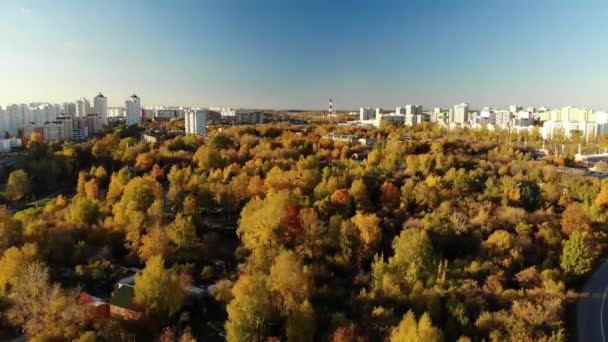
331,107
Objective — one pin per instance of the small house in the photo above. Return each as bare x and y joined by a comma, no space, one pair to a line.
95,308
123,303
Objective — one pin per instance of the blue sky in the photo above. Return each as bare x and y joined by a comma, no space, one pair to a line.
297,54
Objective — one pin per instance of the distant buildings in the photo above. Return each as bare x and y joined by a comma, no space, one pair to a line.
564,122
163,113
440,116
349,139
65,128
408,115
196,122
458,116
568,121
92,122
239,116
55,121
414,115
133,113
50,131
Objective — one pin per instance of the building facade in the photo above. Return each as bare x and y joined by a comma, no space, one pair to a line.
133,113
461,113
196,122
100,107
366,114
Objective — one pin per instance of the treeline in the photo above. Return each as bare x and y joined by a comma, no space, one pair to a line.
431,237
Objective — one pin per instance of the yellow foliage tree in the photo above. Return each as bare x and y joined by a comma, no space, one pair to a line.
409,330
13,260
368,226
289,280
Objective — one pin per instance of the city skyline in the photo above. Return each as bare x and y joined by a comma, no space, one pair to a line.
86,101
297,55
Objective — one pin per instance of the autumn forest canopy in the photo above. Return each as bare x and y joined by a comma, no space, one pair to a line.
278,233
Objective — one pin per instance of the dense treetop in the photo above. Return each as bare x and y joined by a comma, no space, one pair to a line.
433,236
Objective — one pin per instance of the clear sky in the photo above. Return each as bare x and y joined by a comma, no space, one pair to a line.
299,53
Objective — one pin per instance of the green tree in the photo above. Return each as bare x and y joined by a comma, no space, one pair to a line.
414,254
140,206
249,310
83,211
359,192
577,257
301,323
162,291
18,185
182,231
289,280
208,157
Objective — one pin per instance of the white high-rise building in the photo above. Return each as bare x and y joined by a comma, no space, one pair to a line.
515,108
100,106
69,109
196,121
366,114
568,120
83,107
79,107
413,115
15,118
133,105
413,109
3,122
48,112
378,112
461,113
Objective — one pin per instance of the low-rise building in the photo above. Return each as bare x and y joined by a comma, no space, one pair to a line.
123,304
94,307
346,138
149,138
80,133
8,145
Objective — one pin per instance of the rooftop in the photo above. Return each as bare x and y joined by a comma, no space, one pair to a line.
123,297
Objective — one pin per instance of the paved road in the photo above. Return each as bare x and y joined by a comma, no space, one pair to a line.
592,308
